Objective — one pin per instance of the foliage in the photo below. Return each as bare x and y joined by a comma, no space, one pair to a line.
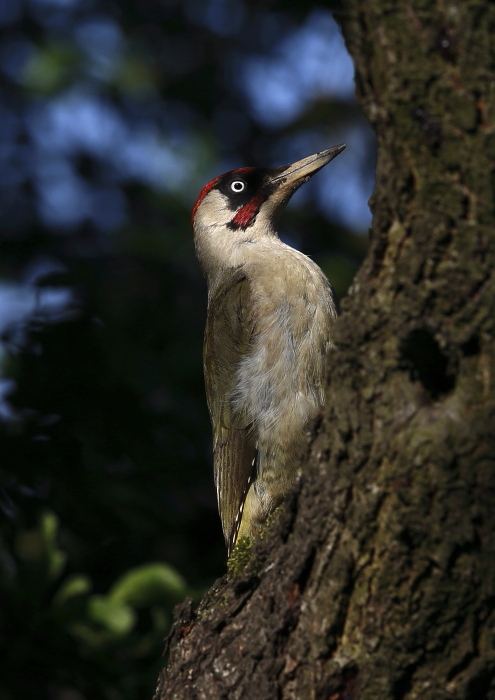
66,634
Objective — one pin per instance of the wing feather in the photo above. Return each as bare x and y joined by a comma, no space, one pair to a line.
228,335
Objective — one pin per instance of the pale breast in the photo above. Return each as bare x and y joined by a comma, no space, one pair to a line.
281,378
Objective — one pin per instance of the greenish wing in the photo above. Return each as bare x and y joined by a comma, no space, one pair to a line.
229,330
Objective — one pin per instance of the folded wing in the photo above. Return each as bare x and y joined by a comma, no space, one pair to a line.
228,338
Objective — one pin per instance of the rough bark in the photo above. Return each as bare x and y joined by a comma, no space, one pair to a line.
378,579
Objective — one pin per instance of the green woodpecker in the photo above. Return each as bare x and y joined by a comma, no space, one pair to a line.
268,332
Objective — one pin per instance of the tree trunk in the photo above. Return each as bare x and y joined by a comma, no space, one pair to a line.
378,579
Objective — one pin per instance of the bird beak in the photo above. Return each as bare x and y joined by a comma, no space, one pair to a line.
290,177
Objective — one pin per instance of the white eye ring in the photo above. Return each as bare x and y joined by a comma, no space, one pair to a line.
238,186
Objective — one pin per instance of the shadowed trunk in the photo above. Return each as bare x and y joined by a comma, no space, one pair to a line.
378,579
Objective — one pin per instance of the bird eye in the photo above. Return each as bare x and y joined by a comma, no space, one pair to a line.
237,186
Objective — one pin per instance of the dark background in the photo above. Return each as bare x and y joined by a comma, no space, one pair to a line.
112,117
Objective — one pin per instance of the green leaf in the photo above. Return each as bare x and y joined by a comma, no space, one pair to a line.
117,618
39,546
74,585
147,584
55,557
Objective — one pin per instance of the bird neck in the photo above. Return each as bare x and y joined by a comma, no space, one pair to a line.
221,251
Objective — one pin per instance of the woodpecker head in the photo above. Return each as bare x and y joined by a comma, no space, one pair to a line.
241,207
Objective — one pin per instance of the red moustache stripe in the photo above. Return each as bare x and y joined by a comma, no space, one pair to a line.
246,215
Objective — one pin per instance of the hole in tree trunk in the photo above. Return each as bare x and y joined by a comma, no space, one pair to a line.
423,358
